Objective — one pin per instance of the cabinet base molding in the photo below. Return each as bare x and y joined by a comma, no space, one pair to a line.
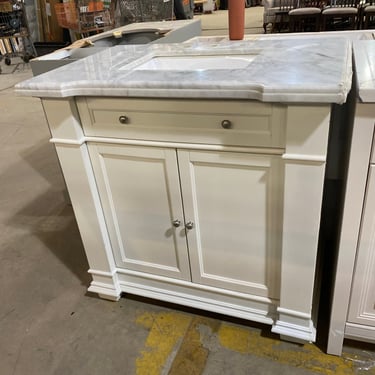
181,296
291,325
360,332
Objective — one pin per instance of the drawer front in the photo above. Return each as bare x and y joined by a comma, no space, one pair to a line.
237,123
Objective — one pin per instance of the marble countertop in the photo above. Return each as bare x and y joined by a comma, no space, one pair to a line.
281,70
364,57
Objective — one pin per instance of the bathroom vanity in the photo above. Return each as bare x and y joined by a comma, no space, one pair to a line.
353,306
196,172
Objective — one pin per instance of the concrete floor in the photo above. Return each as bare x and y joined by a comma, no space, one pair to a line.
49,324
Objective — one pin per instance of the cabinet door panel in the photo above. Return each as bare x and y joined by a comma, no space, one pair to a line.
234,201
362,302
140,193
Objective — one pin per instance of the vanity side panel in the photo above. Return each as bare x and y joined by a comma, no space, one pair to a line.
360,150
304,163
64,124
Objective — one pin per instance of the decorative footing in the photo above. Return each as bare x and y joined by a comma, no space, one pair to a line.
294,326
105,284
295,333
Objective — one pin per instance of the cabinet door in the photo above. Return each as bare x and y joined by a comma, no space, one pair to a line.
140,193
362,302
235,203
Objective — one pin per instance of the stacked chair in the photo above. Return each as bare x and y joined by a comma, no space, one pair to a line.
318,15
306,16
281,21
341,15
368,15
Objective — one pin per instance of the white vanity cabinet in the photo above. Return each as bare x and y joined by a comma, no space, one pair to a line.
353,303
353,297
213,204
196,171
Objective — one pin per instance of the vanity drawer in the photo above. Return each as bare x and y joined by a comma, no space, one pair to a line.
238,123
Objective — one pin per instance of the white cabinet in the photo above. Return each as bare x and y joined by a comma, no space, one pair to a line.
213,204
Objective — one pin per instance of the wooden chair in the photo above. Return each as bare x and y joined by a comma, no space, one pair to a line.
368,15
340,15
281,22
306,16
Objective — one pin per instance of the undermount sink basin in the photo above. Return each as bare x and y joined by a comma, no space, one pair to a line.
186,63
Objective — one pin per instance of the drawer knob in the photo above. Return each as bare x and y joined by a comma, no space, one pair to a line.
124,119
226,124
189,225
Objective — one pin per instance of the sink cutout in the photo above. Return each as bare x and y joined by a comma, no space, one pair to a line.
196,62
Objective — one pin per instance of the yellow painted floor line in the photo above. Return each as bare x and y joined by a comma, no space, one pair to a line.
308,356
177,344
166,332
192,355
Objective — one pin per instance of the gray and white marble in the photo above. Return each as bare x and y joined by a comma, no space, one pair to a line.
364,57
282,70
351,35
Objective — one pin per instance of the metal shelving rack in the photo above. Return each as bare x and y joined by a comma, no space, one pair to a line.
145,10
14,32
85,17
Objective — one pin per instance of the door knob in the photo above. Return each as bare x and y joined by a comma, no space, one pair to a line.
176,223
189,225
